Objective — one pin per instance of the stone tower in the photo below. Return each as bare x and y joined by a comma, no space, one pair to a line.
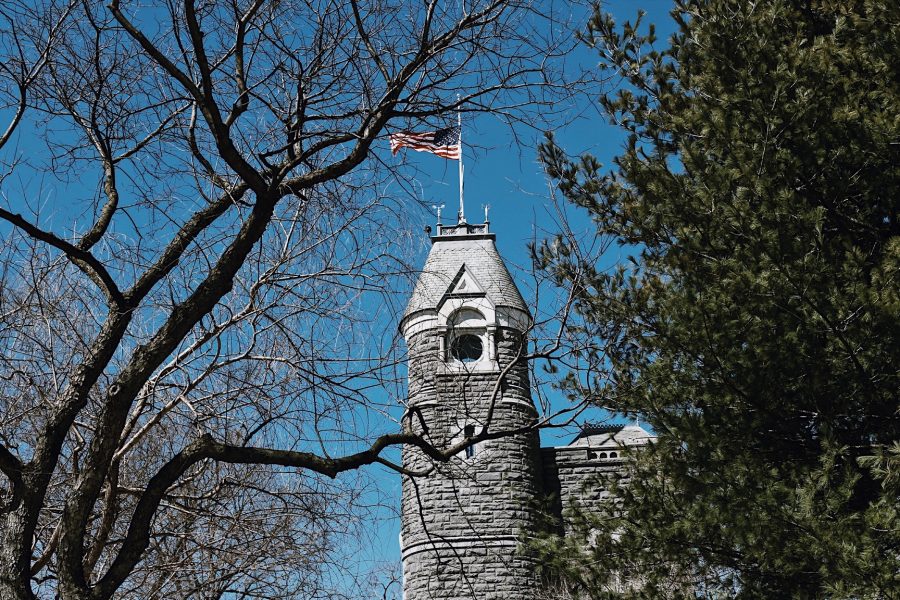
465,327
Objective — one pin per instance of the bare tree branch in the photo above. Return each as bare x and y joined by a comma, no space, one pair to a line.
10,465
83,259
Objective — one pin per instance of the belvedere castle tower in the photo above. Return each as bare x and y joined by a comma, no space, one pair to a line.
465,328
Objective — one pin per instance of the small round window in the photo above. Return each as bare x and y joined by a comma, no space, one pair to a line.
466,348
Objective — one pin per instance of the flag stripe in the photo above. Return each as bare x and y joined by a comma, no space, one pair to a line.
443,142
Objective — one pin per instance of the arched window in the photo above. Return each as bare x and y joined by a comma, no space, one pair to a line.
467,338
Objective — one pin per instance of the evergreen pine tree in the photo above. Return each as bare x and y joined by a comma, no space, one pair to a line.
757,330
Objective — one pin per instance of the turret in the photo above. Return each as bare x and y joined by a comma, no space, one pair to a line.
465,328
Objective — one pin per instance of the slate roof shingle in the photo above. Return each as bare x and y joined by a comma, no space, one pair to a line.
613,435
481,260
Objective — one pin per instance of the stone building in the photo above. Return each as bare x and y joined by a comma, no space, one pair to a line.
465,327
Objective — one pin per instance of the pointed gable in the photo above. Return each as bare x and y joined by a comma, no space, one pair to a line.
464,284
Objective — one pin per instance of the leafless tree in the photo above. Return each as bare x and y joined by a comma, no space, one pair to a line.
192,213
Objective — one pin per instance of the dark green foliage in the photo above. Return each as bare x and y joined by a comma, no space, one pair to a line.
757,329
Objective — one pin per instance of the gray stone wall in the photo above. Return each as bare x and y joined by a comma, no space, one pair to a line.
461,523
464,573
580,475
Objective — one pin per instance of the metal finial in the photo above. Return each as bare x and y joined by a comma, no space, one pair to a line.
438,209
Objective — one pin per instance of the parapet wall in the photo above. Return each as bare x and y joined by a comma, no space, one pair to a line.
580,475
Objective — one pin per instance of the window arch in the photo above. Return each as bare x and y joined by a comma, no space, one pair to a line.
466,317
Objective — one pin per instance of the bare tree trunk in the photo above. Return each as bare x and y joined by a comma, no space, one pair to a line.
15,555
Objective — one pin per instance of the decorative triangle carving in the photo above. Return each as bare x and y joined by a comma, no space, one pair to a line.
464,284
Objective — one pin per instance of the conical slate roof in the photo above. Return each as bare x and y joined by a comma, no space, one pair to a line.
455,251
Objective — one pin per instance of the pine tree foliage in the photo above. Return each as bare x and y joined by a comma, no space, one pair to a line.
757,328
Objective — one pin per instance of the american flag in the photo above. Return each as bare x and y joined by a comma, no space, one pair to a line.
443,142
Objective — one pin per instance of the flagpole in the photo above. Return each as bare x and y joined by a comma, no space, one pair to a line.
462,206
